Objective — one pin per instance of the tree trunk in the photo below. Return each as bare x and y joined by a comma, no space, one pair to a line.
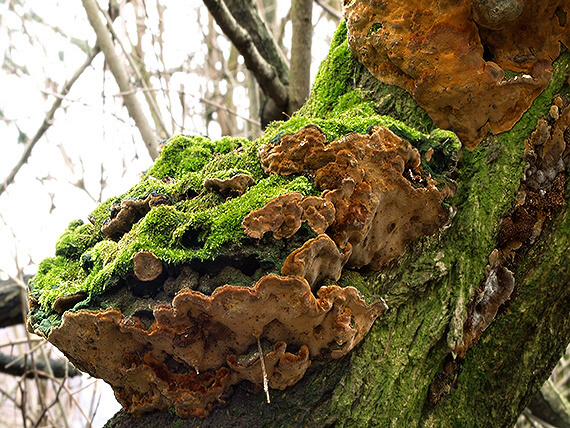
411,370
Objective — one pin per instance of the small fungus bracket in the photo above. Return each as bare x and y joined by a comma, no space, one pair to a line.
230,187
454,58
125,213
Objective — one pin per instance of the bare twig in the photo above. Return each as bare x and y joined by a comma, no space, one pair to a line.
119,72
18,367
48,120
264,371
53,403
202,100
235,113
135,67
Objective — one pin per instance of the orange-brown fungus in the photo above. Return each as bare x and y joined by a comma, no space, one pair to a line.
147,266
452,56
375,199
187,353
180,359
316,260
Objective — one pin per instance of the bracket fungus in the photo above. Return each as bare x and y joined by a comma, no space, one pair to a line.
170,317
475,66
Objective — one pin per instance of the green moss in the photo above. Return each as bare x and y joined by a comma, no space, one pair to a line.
76,239
56,276
335,77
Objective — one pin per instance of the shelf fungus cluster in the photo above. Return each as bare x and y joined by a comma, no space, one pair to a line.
374,201
475,65
161,339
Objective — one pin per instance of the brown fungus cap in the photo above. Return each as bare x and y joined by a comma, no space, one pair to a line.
372,186
128,212
452,56
230,187
284,214
283,368
192,352
147,267
317,259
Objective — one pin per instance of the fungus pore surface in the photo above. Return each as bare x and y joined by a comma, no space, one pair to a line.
475,66
176,291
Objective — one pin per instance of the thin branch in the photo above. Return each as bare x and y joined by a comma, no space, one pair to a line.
48,121
53,403
135,67
222,107
201,99
17,367
119,72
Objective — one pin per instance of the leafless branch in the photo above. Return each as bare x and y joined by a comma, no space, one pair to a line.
222,107
335,14
19,367
202,100
135,67
10,303
48,121
119,72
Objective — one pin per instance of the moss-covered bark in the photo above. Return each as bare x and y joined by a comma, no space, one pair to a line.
405,373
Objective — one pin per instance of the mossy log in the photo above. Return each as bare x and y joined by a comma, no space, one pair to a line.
478,310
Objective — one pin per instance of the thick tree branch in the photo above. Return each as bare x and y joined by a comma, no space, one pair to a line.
11,303
550,406
266,73
16,366
48,120
301,17
245,12
119,72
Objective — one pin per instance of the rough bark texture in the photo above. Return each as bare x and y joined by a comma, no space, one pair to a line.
301,17
405,373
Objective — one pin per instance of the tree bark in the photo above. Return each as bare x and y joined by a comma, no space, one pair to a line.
256,46
407,372
302,40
